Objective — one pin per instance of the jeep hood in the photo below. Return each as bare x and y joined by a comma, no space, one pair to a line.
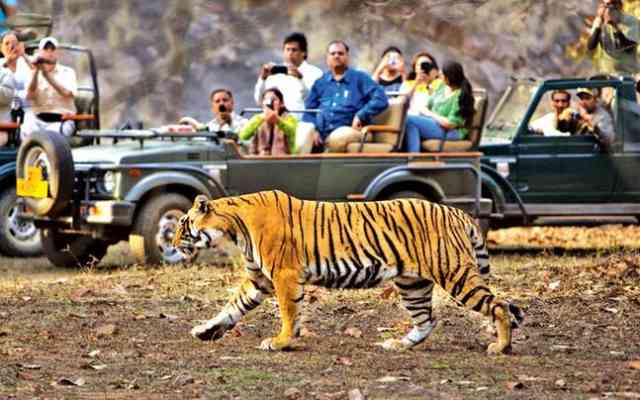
152,151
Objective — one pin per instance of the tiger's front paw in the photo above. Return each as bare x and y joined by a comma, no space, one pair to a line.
497,348
393,345
274,344
209,332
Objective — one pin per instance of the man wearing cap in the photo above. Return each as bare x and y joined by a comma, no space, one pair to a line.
51,90
594,119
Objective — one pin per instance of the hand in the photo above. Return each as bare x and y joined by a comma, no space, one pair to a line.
356,124
317,139
270,116
294,71
265,70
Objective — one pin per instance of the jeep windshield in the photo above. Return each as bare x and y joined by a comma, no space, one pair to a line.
511,108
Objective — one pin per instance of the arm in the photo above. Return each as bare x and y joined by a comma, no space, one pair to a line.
251,127
312,101
376,104
32,89
67,86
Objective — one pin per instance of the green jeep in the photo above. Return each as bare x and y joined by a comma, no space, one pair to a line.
531,177
135,184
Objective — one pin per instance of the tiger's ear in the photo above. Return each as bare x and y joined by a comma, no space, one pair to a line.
202,204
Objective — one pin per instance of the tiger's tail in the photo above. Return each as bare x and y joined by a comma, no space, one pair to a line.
479,249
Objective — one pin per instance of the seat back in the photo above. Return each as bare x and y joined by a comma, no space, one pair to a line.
477,123
394,117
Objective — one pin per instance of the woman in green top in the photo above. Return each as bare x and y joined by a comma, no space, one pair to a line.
274,130
447,113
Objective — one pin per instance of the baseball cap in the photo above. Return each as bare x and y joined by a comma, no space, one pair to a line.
590,92
45,41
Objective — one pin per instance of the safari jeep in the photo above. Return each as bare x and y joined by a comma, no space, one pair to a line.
135,184
19,237
531,177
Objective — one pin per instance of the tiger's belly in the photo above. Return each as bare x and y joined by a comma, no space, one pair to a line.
348,276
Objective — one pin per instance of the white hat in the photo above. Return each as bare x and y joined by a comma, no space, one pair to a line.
47,40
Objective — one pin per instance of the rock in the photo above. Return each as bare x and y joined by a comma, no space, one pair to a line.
293,394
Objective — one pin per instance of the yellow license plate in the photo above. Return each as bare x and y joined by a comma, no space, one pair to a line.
34,185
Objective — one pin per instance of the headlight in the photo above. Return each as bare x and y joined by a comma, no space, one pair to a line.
109,181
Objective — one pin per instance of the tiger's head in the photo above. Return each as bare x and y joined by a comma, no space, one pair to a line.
199,228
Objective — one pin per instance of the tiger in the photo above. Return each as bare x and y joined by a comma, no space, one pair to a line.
288,243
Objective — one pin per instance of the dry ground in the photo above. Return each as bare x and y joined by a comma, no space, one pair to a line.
121,331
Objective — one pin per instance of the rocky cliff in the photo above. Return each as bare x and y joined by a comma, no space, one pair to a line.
159,59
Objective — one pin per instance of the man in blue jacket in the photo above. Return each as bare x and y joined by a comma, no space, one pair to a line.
347,98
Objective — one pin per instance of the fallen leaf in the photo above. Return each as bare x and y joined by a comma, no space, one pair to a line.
634,364
305,332
554,285
560,383
94,353
611,310
106,330
387,292
71,382
355,394
353,332
183,380
344,361
29,366
515,385
293,394
170,317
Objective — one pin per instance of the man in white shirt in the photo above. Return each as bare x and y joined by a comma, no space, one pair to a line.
561,121
17,63
296,81
51,90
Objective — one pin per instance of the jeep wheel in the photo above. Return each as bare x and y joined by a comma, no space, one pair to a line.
154,228
52,154
18,238
68,250
406,194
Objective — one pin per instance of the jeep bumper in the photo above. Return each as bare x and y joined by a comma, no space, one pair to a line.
107,212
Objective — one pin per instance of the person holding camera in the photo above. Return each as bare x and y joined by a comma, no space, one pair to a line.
422,82
224,118
294,78
273,132
447,114
614,39
390,70
51,91
562,121
347,98
594,118
18,64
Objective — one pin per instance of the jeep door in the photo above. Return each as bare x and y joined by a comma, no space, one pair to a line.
571,169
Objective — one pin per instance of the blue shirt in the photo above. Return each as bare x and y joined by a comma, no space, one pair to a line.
339,101
3,17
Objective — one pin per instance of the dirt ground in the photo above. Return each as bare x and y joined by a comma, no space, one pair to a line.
121,331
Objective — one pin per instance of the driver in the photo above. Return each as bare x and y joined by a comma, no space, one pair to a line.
561,121
594,118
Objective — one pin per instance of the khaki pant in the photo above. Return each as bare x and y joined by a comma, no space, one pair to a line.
338,140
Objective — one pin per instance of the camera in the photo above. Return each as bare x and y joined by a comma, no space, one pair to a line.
426,66
268,102
40,61
222,108
279,69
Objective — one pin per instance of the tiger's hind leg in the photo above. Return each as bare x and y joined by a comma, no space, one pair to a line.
470,290
290,294
416,296
252,291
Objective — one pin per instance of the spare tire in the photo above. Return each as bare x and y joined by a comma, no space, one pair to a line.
52,154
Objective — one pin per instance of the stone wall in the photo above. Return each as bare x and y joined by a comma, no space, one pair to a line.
159,59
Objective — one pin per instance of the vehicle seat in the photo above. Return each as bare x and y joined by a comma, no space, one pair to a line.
384,135
475,131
